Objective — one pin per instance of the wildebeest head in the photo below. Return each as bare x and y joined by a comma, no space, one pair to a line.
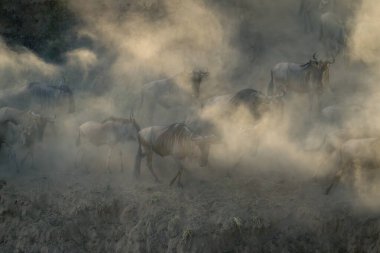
323,4
126,128
318,72
203,143
197,76
35,128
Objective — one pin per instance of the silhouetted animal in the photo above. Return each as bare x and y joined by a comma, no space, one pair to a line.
32,127
311,78
110,132
168,94
365,152
176,140
36,93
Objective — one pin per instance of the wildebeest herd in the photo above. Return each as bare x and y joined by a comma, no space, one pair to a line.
203,127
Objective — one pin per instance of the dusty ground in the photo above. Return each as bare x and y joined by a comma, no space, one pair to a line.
253,210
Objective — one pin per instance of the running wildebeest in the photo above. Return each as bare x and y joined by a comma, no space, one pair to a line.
109,132
223,115
256,102
176,140
168,94
332,33
40,94
363,152
224,107
311,78
31,125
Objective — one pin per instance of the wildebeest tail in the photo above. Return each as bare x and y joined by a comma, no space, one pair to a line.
78,139
139,155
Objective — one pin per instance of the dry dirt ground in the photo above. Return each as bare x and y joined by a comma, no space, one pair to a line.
61,209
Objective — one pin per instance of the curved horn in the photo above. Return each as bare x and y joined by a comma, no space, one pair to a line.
315,56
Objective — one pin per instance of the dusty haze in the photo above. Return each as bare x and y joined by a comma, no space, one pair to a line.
245,200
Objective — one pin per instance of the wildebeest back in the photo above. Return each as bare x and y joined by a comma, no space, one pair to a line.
176,133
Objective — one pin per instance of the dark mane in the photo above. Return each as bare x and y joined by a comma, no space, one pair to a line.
245,96
178,133
307,64
251,99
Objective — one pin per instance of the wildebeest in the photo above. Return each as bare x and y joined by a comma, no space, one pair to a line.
310,12
168,94
31,127
219,112
232,116
362,152
332,33
256,102
40,94
176,140
338,113
311,78
307,11
109,132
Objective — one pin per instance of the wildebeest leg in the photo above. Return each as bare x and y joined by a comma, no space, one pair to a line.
81,158
32,158
13,157
178,175
121,160
150,112
307,19
28,155
311,102
318,98
138,159
314,103
335,180
149,161
109,158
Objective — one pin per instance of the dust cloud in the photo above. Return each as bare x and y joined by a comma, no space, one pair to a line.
264,188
